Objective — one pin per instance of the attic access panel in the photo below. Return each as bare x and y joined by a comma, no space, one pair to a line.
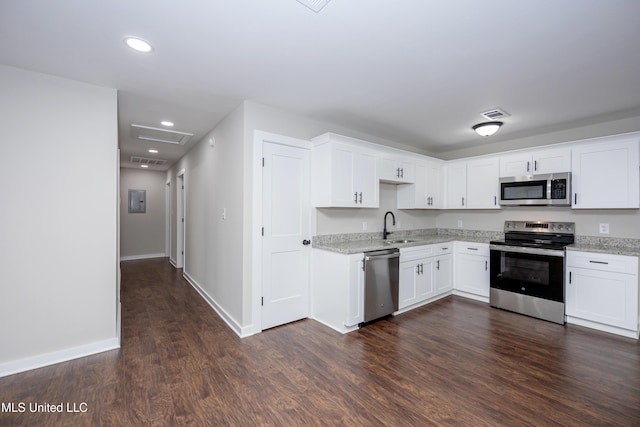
148,133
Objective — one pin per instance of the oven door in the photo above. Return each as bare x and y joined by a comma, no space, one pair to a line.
528,271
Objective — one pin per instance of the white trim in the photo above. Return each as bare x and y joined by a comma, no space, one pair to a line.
167,218
259,138
230,321
181,219
144,256
173,262
39,361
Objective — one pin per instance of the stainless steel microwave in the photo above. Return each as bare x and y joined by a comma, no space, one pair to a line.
548,189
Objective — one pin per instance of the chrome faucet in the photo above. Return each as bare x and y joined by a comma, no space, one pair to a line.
385,233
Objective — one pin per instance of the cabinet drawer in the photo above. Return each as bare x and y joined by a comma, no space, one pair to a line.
415,252
443,248
603,262
472,248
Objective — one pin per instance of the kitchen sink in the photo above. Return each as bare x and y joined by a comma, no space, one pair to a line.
395,242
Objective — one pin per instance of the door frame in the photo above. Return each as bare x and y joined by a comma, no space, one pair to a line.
259,138
181,220
167,218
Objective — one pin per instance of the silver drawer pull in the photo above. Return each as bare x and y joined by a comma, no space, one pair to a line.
473,249
598,262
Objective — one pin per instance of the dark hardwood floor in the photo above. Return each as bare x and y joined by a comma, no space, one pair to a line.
454,362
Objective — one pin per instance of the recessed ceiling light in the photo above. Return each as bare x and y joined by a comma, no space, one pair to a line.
166,123
144,166
153,151
138,44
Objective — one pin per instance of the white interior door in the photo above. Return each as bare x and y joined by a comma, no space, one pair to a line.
285,256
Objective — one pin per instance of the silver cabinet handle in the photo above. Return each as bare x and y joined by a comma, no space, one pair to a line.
398,173
401,172
598,262
486,265
462,200
495,200
417,268
361,198
473,249
569,277
421,268
575,198
528,166
355,197
535,165
437,264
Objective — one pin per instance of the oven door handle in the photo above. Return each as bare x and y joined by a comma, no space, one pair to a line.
527,250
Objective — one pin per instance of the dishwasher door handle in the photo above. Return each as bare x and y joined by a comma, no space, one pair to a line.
376,257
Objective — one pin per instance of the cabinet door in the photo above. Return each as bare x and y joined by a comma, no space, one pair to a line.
426,285
408,285
553,160
603,297
395,169
342,180
443,277
366,182
355,293
606,175
517,164
472,274
456,185
483,184
434,193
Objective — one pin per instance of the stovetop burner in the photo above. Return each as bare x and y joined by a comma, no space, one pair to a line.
537,234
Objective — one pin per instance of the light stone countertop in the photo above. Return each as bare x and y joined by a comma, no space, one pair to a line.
365,242
354,243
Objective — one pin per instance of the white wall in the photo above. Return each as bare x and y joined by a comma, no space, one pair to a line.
58,251
350,220
142,235
214,181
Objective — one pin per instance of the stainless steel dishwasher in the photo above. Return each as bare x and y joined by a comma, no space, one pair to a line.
381,271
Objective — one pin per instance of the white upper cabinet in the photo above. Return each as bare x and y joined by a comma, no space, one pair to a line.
455,185
395,168
536,162
605,174
473,184
344,174
483,184
425,193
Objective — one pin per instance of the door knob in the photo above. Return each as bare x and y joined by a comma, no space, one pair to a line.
306,242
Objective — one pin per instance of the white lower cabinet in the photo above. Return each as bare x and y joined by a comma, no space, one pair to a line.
337,289
425,273
602,292
472,270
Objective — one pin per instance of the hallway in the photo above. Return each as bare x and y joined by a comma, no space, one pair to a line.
454,362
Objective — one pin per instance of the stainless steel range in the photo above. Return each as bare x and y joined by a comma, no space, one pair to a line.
527,268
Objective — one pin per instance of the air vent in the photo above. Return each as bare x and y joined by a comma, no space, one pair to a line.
147,133
315,5
146,161
495,114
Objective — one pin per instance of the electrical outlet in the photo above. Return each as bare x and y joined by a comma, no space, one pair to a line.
604,228
224,213
364,225
459,223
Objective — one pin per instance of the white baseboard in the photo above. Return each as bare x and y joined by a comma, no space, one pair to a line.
39,361
145,256
242,332
173,262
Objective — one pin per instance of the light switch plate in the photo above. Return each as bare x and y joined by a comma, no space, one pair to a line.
459,223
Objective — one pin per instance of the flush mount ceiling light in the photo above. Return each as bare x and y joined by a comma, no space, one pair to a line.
487,128
153,151
315,5
138,44
166,123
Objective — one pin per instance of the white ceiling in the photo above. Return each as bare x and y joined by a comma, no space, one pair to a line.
416,72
